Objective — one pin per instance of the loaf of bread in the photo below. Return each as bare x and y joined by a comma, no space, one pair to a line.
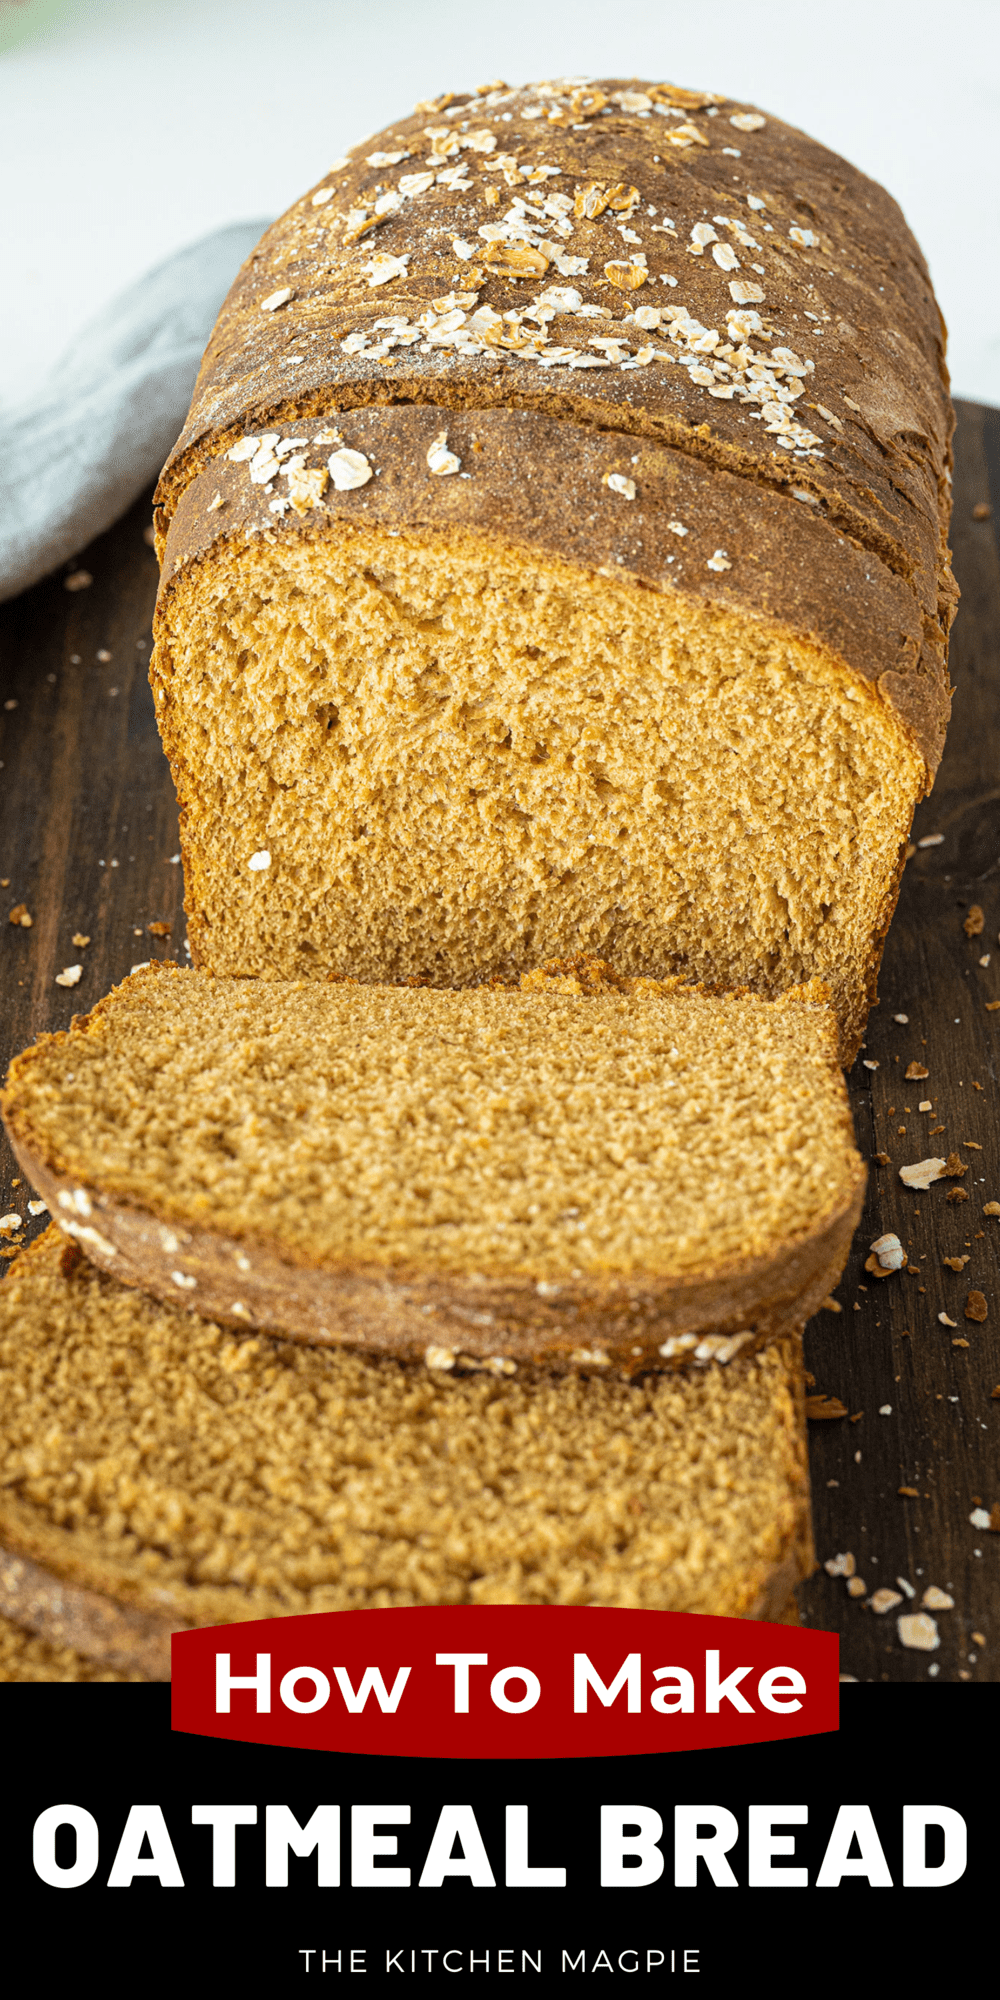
158,1472
623,1177
470,652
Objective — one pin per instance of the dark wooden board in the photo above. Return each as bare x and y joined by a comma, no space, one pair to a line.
88,827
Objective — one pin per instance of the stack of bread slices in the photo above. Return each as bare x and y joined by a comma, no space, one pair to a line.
547,744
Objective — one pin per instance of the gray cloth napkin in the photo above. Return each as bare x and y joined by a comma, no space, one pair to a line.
101,425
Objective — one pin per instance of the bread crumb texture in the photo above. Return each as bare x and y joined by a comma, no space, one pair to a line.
165,1462
463,759
547,1132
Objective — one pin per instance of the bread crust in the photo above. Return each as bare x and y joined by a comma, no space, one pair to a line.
538,483
410,1313
849,290
91,1621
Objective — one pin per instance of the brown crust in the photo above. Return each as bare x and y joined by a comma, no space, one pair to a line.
858,299
94,1624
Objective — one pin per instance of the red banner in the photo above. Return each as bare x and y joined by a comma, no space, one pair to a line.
504,1680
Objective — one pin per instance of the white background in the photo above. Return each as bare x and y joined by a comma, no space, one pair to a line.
130,127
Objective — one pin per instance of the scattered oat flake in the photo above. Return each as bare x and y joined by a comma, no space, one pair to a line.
884,1600
677,527
382,269
991,1208
70,975
868,1063
903,1019
922,1173
885,1409
745,293
929,839
906,1588
276,299
926,1105
976,1307
978,1638
618,482
306,488
8,1224
80,579
887,1252
979,1518
918,1631
440,460
915,1071
719,561
945,1321
934,1599
628,277
20,915
259,861
348,469
841,1565
38,1208
856,1587
747,121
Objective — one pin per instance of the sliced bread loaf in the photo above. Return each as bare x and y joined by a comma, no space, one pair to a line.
586,1171
471,652
157,1471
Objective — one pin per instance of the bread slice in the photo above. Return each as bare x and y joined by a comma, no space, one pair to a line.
555,557
588,1171
157,1472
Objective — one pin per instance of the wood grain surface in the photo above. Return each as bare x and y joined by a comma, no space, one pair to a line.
88,843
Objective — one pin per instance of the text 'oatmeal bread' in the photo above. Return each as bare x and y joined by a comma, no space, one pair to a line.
158,1471
588,1171
554,558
